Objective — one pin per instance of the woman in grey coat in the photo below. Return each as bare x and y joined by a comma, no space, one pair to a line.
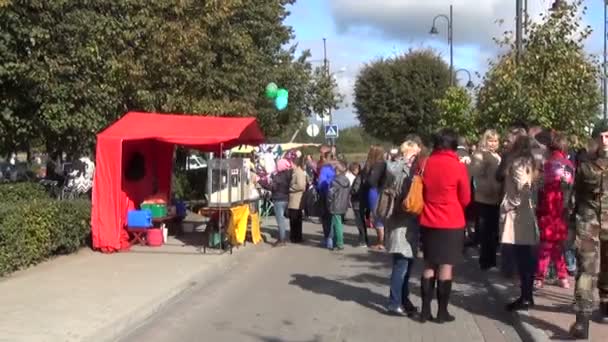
402,230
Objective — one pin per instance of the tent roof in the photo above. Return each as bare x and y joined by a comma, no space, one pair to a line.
190,130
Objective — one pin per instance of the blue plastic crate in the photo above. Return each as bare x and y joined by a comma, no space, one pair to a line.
139,219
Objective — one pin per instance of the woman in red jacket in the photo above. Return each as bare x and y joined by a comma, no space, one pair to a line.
552,211
446,193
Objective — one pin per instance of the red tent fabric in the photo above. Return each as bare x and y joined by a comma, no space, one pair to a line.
154,136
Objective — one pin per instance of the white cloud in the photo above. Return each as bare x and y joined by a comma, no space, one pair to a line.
475,21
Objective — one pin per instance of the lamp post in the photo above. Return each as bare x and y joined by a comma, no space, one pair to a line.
605,62
469,84
435,31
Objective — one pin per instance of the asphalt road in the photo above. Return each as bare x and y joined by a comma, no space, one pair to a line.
302,293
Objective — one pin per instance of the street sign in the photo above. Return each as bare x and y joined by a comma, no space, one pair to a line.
312,130
331,131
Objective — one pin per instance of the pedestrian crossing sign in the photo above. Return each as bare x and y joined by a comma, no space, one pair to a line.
331,131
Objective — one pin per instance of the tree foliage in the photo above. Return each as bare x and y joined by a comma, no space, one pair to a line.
69,68
555,82
396,96
457,112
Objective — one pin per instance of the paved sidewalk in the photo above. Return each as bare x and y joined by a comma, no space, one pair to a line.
550,320
90,296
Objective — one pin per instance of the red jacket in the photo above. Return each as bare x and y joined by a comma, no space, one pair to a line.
551,209
446,191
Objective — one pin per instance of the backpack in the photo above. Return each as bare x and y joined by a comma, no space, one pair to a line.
392,189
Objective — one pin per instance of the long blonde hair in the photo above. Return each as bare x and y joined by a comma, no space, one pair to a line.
487,135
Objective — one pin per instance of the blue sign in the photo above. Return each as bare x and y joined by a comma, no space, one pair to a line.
331,131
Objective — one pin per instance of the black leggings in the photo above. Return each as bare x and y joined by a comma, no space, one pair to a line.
295,225
488,216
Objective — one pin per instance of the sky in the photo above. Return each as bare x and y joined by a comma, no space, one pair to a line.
359,31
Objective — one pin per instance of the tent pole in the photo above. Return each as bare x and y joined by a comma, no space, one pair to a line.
221,220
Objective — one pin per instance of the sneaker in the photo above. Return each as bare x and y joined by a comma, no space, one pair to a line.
362,245
395,310
564,283
538,284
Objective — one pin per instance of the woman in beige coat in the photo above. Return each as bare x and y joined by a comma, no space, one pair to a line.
517,218
296,191
487,197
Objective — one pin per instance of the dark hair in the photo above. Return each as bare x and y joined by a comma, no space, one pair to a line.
522,148
445,139
519,124
559,142
462,141
354,166
299,161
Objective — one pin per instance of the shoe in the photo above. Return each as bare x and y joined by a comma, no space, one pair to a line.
520,305
444,289
279,243
427,289
538,284
409,308
339,248
580,329
395,311
564,283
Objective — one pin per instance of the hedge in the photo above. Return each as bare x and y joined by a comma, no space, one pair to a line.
33,229
24,191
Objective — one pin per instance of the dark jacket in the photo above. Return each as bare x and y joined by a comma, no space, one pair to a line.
280,186
376,175
339,195
356,189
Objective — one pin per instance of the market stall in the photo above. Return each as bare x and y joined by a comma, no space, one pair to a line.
134,160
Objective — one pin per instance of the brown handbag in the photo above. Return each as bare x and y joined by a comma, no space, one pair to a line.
413,203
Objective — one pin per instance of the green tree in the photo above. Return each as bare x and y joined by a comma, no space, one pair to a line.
396,96
70,68
456,111
555,82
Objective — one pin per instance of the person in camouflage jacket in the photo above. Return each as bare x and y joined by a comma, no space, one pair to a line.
591,196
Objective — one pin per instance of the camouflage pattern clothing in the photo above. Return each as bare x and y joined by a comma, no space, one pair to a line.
591,191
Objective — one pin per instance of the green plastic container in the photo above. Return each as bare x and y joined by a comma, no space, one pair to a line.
157,210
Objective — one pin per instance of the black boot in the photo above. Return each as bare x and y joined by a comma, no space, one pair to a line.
409,308
444,289
580,329
604,312
427,288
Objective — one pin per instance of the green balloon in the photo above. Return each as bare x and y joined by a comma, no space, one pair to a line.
271,90
283,93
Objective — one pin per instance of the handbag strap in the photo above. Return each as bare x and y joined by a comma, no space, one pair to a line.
420,171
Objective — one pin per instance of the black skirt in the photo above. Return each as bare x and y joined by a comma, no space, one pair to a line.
443,246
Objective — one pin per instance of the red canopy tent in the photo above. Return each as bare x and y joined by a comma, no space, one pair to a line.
154,136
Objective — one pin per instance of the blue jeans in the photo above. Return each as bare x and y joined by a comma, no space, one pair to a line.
279,213
400,279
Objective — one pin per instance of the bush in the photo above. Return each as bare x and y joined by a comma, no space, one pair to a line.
72,228
25,191
31,231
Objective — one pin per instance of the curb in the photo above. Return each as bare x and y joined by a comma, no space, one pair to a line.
526,331
127,322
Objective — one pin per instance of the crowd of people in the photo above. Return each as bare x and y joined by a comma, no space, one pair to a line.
538,200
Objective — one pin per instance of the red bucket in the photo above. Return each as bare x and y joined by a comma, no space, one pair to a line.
154,237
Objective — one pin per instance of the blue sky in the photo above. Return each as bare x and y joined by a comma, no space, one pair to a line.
358,31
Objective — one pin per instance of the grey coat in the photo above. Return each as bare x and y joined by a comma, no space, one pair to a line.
402,229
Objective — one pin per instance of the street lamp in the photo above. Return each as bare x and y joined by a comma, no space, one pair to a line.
435,31
469,84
